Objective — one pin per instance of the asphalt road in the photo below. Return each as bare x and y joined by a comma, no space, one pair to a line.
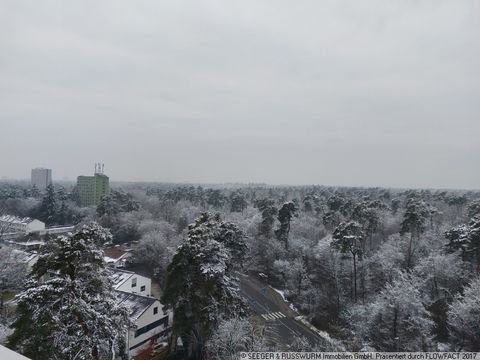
275,313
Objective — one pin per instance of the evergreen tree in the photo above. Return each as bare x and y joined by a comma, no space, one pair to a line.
466,238
48,207
414,221
312,203
68,309
63,214
367,214
201,283
215,198
268,210
474,209
395,205
285,215
34,192
349,237
237,202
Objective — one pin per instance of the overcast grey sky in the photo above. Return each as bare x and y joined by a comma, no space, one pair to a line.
369,93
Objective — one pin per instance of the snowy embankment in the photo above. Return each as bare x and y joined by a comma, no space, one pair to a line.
303,319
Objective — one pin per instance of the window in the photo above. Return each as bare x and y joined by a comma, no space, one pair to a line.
142,288
155,310
134,282
162,322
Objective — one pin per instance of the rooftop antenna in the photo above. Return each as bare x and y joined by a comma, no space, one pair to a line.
103,167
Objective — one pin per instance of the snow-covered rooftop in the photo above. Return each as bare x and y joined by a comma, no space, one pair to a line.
136,304
120,276
8,354
59,229
12,219
28,243
24,256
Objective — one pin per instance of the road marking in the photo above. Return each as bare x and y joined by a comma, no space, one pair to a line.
259,307
274,316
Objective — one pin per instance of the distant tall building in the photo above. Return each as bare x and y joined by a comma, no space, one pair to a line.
41,178
91,189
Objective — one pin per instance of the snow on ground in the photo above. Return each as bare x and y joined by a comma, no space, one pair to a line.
442,347
304,321
323,334
292,307
5,331
282,293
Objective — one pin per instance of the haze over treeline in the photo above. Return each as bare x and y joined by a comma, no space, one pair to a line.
334,92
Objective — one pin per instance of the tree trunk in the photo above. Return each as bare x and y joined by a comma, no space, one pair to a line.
1,304
409,250
363,282
395,321
355,277
95,352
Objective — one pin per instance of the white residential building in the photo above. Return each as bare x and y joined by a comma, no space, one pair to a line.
41,178
130,282
151,323
10,224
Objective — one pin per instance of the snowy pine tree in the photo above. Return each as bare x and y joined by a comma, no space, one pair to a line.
285,215
48,207
349,237
201,283
68,308
414,221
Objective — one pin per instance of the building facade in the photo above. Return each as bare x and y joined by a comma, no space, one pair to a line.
151,322
91,189
41,178
131,282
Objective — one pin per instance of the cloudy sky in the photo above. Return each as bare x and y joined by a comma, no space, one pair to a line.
368,93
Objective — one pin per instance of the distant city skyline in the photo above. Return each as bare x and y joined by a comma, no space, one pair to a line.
74,178
344,93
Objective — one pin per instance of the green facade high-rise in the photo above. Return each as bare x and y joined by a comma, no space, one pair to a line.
91,189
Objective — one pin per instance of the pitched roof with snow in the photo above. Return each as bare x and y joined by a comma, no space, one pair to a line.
120,276
8,354
24,256
12,219
136,304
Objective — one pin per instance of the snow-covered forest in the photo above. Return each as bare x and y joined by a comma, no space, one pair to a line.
384,269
